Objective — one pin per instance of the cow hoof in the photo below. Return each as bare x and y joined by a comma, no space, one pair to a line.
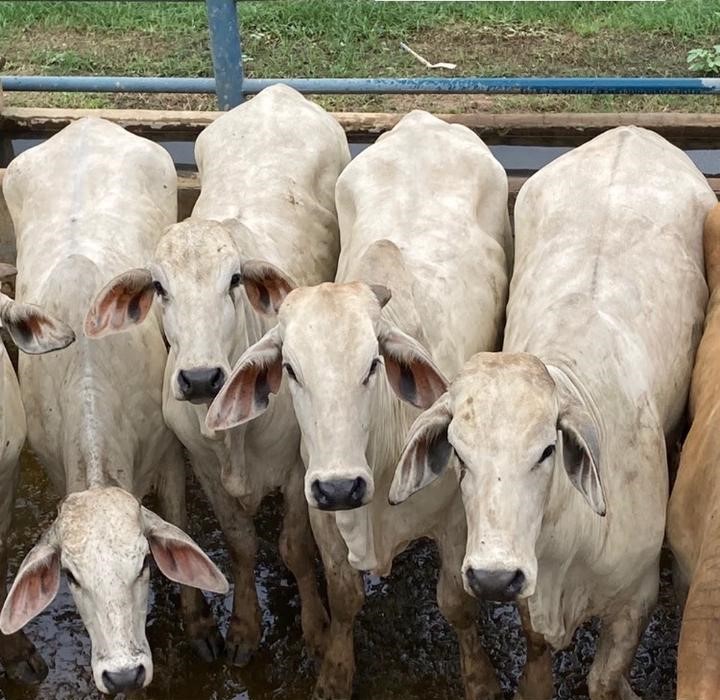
210,647
29,671
238,654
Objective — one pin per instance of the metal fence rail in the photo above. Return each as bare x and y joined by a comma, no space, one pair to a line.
231,86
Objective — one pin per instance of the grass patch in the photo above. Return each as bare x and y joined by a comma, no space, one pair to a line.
360,38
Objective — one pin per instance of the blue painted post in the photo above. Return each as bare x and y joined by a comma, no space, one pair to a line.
226,52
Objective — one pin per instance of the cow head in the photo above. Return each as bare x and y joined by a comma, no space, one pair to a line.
102,540
509,431
31,328
199,279
337,352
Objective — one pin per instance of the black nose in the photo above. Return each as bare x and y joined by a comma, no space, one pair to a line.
125,680
339,494
200,385
495,585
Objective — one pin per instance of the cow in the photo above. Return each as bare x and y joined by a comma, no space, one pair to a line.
33,331
559,442
86,204
268,170
692,526
422,279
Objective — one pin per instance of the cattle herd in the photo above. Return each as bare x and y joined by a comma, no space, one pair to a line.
372,339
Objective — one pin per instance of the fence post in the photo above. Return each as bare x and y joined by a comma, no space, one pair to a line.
226,52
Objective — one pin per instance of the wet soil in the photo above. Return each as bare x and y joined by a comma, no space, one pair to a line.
404,647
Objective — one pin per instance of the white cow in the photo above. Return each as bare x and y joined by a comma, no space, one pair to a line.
33,331
423,213
90,202
268,170
568,424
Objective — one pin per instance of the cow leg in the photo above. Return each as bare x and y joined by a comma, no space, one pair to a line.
536,682
618,641
461,611
346,596
298,551
245,631
198,620
19,657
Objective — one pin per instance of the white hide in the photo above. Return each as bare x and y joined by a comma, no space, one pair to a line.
89,203
424,213
605,312
268,170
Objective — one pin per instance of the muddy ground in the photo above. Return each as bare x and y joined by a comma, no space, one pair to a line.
404,648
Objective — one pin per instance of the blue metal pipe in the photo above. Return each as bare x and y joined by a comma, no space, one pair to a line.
327,86
226,52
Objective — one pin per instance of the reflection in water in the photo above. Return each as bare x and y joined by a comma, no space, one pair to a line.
404,648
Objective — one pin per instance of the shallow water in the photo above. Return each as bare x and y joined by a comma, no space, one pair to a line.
404,648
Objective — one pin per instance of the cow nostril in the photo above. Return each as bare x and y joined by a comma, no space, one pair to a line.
183,382
200,385
357,493
495,585
517,582
339,494
217,379
125,680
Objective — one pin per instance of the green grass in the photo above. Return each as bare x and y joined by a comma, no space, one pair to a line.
344,38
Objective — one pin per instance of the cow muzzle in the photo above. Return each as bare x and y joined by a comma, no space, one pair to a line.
340,494
200,385
497,585
124,680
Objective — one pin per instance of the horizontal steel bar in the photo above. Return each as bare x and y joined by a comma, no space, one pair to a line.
251,86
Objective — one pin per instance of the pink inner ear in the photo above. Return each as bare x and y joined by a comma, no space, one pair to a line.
415,382
121,304
266,295
247,392
184,564
33,592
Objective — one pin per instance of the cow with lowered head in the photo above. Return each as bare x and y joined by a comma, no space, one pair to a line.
87,204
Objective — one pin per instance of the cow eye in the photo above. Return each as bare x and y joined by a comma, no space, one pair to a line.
235,280
70,578
373,368
159,289
290,371
546,453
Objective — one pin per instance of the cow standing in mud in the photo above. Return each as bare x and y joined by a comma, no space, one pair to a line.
423,269
88,203
693,518
558,442
268,170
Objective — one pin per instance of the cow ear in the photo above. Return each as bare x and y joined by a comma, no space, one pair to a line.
36,585
266,286
246,394
427,452
123,302
578,450
32,330
179,558
410,370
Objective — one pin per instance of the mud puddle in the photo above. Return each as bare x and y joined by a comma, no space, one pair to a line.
404,647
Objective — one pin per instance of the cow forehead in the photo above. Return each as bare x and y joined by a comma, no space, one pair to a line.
498,396
107,518
194,245
327,312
